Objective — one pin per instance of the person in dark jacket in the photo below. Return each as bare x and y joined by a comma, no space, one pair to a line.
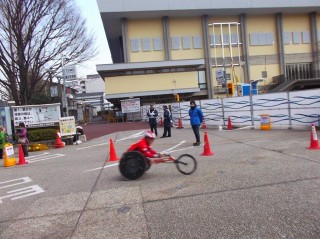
22,138
196,118
153,114
166,122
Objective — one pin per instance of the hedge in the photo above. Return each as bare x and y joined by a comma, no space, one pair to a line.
35,135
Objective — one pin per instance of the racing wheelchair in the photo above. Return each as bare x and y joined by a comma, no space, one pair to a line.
133,164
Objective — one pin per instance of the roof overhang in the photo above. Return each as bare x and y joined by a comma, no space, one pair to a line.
149,65
149,93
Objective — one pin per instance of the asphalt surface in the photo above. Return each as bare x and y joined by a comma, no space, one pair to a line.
99,129
258,184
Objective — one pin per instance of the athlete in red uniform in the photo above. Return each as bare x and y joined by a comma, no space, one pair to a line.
144,146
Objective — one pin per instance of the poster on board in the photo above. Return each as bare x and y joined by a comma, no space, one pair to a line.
35,116
130,105
67,126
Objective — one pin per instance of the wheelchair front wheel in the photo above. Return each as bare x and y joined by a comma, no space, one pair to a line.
186,164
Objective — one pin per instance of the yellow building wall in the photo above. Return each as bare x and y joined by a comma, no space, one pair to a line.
143,28
152,82
262,24
297,23
186,27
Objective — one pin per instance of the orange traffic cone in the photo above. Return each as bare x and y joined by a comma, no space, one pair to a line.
229,124
206,149
204,125
314,143
161,122
179,124
59,143
113,156
22,159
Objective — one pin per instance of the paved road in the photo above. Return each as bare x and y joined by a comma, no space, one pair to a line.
259,184
99,129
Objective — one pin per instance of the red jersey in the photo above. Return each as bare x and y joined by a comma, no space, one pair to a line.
143,147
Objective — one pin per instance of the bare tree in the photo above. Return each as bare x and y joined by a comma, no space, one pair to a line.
34,36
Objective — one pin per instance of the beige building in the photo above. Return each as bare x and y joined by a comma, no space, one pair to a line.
169,47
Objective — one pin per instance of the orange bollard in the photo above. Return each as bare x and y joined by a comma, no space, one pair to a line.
179,124
206,149
59,143
113,156
314,143
229,124
22,159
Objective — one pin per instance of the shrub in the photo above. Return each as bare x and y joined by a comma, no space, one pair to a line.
35,135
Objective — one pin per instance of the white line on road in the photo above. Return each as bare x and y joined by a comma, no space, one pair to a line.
136,135
168,150
24,180
46,158
132,136
179,149
37,156
96,145
107,166
245,127
20,193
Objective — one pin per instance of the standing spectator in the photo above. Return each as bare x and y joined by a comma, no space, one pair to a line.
196,118
166,122
23,140
153,114
2,140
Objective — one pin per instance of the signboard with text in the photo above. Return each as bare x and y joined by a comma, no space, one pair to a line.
67,126
35,116
130,105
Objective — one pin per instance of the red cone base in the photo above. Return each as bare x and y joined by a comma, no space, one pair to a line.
59,143
229,124
204,125
113,156
314,143
206,149
22,159
161,122
179,124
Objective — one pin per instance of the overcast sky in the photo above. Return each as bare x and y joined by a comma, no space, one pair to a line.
89,10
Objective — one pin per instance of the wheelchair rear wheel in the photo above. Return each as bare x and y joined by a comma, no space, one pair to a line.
132,165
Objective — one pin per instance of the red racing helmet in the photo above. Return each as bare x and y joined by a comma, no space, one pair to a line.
149,134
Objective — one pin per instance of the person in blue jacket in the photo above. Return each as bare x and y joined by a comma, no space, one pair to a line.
196,118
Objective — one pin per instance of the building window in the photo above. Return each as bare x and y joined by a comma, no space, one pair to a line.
135,44
202,80
175,43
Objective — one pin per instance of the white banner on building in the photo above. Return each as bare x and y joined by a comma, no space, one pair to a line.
130,105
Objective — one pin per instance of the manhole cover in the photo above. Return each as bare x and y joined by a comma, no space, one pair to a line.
123,209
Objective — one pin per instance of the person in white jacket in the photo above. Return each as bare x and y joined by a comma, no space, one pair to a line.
153,114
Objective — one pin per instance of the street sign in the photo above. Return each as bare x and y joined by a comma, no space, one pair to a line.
54,91
70,72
